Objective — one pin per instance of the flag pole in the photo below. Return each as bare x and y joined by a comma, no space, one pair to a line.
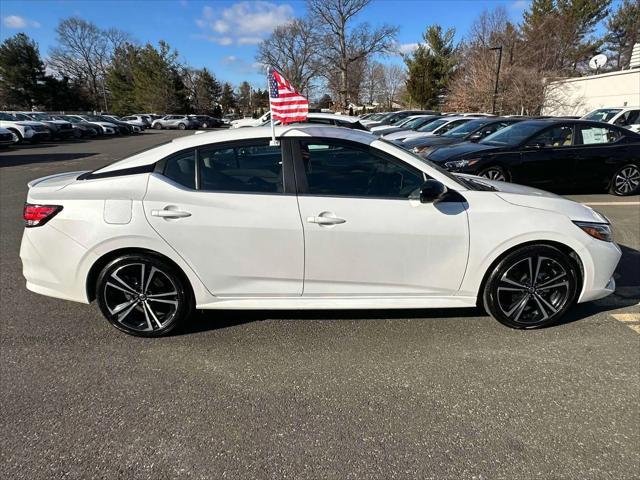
273,142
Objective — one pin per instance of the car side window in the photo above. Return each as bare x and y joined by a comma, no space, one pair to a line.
342,169
628,118
560,136
594,135
181,168
249,168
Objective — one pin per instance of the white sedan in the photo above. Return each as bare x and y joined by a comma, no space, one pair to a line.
331,218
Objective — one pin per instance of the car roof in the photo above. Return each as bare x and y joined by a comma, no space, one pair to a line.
334,116
230,135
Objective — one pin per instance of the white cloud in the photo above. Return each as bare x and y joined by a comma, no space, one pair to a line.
246,22
405,48
241,66
16,21
520,5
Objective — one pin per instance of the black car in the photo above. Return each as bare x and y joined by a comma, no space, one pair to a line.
205,121
552,154
409,123
472,131
123,127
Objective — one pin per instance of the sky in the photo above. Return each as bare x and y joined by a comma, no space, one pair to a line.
223,35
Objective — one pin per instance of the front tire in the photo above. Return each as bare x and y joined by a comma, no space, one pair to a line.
531,287
143,296
626,181
157,126
495,173
182,126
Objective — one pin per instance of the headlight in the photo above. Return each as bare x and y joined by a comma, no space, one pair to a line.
461,163
601,231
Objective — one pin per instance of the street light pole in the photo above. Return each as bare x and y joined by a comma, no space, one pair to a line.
495,90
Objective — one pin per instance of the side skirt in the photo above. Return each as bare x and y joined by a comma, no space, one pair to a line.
336,303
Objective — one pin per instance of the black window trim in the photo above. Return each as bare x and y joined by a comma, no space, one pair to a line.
301,177
288,180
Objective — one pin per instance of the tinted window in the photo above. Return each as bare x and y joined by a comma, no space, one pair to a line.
592,135
344,170
602,115
255,168
560,136
324,121
450,126
512,135
181,168
628,118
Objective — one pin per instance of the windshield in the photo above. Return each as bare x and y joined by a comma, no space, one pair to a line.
602,115
40,116
413,123
465,129
68,119
7,116
401,121
433,125
91,118
512,135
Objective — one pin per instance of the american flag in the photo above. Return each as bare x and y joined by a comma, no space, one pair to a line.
287,105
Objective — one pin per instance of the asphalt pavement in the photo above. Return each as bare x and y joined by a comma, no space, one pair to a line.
410,394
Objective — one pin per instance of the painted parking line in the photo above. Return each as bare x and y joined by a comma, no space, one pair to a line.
631,320
612,203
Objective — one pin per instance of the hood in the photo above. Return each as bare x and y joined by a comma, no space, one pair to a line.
400,133
430,141
451,152
539,199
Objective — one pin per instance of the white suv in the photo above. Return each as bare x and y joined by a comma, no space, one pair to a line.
23,130
626,117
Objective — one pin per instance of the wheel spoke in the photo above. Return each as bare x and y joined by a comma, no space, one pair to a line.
530,264
115,276
561,284
542,310
171,302
124,315
146,285
547,282
153,315
146,317
535,276
117,287
156,295
122,306
520,307
511,289
142,272
547,304
511,282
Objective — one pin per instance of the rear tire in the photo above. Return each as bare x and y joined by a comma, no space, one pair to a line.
495,173
531,287
182,126
626,181
17,134
142,295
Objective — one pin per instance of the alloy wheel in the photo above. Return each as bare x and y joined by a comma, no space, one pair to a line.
494,174
533,290
141,297
627,180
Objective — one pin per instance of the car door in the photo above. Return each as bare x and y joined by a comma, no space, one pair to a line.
224,208
601,152
547,159
366,232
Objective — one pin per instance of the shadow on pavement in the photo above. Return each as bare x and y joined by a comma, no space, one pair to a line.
12,161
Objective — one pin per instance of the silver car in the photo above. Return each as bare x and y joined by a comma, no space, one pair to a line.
181,122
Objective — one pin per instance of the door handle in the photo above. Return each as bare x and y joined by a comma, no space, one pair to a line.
166,213
325,220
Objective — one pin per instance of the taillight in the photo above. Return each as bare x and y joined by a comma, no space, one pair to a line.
38,215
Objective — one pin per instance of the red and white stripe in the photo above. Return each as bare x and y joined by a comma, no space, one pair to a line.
289,106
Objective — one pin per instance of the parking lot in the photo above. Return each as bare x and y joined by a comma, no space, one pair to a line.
327,394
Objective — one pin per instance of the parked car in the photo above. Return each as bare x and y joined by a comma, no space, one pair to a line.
125,127
328,119
7,137
436,127
251,122
206,121
407,125
181,122
392,117
60,129
24,130
627,117
107,128
554,154
360,222
472,131
138,120
83,128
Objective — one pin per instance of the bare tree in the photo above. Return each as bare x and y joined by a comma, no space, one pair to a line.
373,82
394,77
83,54
294,50
343,44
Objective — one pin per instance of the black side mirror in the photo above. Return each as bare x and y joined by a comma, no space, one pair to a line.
432,191
476,137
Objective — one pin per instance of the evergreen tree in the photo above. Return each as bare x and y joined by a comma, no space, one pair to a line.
431,67
21,73
228,98
623,31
